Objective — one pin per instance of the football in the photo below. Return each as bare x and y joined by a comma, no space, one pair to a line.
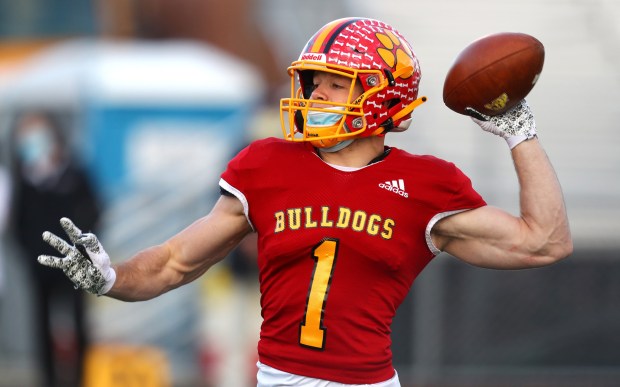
494,73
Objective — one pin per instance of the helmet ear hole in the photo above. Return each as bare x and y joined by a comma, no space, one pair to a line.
387,105
393,102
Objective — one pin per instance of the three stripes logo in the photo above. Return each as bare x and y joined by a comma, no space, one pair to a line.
396,186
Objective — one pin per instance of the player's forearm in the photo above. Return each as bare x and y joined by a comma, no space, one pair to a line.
185,256
146,275
547,232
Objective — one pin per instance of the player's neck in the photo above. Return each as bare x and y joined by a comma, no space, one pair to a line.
358,154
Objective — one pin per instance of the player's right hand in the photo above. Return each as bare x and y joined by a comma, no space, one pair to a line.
515,125
85,262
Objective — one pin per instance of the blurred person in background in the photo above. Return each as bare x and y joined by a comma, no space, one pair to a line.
344,223
49,182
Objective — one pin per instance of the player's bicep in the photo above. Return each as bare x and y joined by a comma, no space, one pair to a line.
486,236
209,239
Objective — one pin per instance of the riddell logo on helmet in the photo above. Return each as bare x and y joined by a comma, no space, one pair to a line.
313,57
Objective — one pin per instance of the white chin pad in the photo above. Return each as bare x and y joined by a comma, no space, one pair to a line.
404,125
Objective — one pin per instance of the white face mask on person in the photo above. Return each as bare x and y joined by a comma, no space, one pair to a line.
321,119
36,146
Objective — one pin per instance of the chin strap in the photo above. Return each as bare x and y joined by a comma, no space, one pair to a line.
388,126
404,71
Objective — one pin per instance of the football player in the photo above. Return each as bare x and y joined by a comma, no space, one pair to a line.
344,222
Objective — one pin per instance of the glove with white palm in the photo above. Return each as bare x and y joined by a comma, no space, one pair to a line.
515,125
85,262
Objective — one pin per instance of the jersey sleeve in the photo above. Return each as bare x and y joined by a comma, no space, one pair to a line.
249,173
459,195
232,179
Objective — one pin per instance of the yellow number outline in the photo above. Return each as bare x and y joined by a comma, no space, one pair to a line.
311,330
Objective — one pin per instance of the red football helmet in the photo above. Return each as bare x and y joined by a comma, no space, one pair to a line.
366,51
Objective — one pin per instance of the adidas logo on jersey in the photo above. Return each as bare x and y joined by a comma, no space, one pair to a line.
396,186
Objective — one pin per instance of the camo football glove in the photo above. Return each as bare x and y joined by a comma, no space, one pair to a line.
515,125
85,262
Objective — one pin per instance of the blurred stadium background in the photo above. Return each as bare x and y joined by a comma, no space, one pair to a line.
160,94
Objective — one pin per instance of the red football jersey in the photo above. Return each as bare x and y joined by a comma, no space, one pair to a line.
338,251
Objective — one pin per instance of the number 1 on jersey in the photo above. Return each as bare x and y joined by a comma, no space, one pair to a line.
312,332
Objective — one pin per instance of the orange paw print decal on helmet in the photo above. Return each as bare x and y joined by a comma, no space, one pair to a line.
395,54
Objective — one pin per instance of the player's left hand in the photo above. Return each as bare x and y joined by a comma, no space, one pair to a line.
85,262
515,125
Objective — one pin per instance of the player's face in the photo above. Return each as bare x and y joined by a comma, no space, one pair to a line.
333,88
